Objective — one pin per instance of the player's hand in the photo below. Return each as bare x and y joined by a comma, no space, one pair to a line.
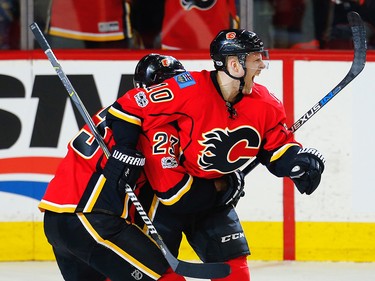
123,165
307,168
234,189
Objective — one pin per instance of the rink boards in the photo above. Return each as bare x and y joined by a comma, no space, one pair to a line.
336,223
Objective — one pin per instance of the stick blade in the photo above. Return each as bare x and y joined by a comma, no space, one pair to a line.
203,270
359,40
213,270
354,19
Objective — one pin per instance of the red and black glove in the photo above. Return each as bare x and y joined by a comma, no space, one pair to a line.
235,189
123,165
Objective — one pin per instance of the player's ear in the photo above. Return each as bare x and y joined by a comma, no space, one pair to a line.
234,67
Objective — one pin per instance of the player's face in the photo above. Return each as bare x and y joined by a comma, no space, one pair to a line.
255,61
254,66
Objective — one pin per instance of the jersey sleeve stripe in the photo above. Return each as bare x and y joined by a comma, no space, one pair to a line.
280,152
185,188
95,194
57,208
66,33
123,116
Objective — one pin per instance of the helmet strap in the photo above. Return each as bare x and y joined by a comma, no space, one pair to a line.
242,83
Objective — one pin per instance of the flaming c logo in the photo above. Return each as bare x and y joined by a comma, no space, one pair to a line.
165,62
227,150
230,35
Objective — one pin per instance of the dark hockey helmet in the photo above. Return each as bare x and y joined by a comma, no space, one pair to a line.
154,68
234,42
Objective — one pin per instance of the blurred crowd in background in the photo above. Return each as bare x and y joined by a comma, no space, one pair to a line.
183,24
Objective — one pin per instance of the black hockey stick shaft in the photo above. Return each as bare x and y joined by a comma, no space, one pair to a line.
358,64
68,86
194,270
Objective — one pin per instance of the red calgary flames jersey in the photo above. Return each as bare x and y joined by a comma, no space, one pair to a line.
79,186
167,177
83,158
92,20
212,142
187,131
192,24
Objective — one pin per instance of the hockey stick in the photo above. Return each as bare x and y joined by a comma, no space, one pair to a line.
194,270
359,61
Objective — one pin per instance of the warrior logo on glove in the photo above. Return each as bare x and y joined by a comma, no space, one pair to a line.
307,168
123,167
135,161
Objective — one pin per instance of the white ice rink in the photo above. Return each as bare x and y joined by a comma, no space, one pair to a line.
260,271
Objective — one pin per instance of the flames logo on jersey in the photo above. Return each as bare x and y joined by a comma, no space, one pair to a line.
199,4
227,150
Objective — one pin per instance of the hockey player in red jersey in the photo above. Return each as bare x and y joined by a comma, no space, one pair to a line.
91,24
192,24
224,118
87,219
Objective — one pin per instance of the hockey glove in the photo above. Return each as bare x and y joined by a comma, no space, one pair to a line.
123,165
235,189
307,168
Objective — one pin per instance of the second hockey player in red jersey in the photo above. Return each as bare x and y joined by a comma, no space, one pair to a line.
87,218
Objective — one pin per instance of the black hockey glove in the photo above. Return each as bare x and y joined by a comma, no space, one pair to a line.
307,168
235,189
123,165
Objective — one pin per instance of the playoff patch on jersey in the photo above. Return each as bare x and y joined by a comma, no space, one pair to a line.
141,99
184,80
169,162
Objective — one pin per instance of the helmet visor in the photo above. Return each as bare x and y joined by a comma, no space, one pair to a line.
262,62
